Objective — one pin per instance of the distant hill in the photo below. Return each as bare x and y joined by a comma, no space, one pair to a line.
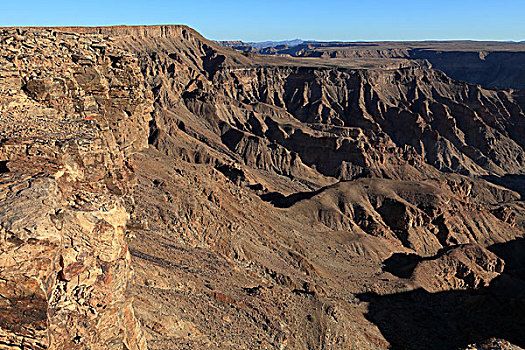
265,44
255,46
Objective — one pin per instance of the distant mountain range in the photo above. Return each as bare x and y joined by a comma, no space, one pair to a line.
261,45
265,47
265,44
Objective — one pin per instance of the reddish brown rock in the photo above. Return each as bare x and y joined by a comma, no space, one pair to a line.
68,130
286,203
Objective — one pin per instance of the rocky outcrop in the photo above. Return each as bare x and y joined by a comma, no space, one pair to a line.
493,344
462,267
73,110
423,217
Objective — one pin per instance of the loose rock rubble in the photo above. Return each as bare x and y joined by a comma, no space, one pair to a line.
73,110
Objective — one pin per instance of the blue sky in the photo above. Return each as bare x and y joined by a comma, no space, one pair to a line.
277,20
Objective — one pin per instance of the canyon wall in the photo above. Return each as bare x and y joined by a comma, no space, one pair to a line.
296,195
489,64
283,202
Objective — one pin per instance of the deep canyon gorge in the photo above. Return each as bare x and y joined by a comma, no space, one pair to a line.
161,191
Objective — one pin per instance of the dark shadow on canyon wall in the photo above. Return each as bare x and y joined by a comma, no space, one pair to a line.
452,319
281,201
515,182
401,264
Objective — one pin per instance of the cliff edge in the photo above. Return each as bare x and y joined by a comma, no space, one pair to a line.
73,110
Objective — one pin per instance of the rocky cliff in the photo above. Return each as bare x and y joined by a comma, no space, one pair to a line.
490,64
73,110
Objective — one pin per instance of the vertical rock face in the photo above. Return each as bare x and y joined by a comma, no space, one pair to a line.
73,110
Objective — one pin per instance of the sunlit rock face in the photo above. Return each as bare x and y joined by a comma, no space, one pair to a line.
73,110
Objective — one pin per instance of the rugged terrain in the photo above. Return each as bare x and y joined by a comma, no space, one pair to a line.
73,110
489,63
359,201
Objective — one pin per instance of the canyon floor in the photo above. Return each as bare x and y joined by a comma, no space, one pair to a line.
160,191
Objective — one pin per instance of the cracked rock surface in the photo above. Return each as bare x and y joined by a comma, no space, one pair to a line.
72,112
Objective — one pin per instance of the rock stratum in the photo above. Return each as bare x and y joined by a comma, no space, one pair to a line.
489,63
161,191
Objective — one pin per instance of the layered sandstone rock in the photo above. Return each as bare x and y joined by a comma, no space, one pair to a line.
73,110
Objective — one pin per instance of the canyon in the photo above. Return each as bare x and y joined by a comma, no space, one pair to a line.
493,64
161,191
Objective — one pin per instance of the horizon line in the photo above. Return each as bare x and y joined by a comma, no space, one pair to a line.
266,40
